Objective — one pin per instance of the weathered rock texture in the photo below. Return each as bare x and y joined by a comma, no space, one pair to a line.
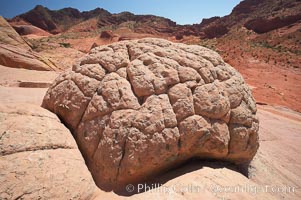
9,36
17,57
39,159
16,52
137,108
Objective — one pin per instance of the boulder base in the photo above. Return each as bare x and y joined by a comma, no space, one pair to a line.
138,108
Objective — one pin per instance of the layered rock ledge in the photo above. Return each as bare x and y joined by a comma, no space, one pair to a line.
39,159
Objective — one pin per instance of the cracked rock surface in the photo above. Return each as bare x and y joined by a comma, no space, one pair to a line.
138,108
39,159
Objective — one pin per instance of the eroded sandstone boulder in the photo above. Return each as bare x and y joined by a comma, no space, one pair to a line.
39,158
137,108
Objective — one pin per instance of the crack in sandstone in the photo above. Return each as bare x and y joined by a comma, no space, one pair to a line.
129,53
80,89
28,193
36,148
4,133
122,156
31,115
7,129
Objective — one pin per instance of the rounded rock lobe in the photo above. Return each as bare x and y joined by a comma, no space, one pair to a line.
138,108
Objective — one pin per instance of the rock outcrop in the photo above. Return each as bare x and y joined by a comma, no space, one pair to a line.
261,16
17,57
9,36
30,30
39,158
16,52
263,25
258,15
57,21
107,35
70,19
138,108
51,21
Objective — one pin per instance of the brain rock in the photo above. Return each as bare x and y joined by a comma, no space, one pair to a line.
137,108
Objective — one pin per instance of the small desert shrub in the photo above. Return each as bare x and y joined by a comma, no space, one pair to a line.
66,45
179,37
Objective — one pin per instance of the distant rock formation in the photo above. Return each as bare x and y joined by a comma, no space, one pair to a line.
254,15
258,15
55,21
70,19
30,29
61,20
107,35
262,25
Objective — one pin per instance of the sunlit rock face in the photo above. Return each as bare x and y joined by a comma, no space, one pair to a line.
138,108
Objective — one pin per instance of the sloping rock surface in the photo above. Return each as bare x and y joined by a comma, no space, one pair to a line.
39,158
18,57
16,52
9,36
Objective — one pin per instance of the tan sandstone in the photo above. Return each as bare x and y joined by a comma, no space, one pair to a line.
39,159
17,53
139,108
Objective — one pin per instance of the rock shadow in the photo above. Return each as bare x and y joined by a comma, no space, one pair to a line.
157,182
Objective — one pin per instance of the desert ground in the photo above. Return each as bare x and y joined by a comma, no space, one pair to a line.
42,154
273,174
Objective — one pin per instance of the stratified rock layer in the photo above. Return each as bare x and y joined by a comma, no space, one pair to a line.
17,57
39,159
137,108
9,36
15,51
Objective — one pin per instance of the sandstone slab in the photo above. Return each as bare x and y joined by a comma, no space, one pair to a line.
17,57
39,159
9,36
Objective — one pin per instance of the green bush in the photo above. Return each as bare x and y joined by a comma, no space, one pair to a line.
66,45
